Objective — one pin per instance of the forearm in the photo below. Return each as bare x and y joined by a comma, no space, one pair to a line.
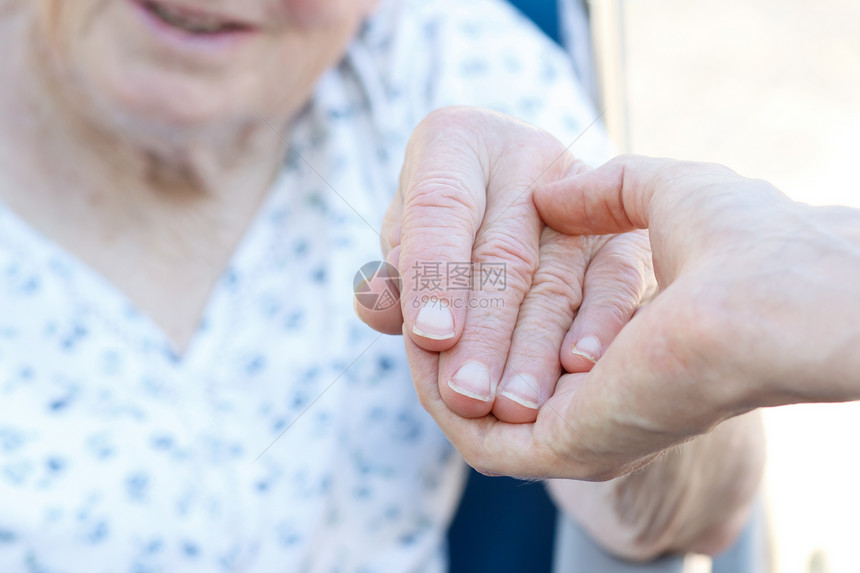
694,498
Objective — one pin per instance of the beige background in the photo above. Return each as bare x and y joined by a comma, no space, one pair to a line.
772,89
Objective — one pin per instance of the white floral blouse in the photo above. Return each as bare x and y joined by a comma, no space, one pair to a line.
288,437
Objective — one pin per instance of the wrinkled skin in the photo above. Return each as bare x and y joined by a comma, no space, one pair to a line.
558,289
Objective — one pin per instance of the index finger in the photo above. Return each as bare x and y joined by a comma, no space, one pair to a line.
443,186
552,446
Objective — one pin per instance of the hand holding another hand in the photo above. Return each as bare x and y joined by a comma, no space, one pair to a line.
757,302
757,307
489,337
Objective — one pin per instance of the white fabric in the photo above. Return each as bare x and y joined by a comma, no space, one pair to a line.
117,456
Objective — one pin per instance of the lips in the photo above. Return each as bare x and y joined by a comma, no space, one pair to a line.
194,21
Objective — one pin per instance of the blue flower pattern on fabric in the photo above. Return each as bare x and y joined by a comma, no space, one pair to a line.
267,446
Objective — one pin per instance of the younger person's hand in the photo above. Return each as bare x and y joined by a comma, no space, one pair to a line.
758,306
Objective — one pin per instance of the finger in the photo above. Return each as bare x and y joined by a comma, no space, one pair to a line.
505,259
537,450
443,185
613,198
616,282
489,446
544,319
556,445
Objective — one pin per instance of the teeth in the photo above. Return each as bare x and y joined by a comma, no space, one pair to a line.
193,24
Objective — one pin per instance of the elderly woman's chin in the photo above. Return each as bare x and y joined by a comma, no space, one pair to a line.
174,101
188,64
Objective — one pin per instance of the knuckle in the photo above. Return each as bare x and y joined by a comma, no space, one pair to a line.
625,281
434,122
552,297
558,273
465,118
439,207
485,334
558,278
436,232
452,128
519,257
615,301
449,117
554,279
446,192
627,250
424,263
618,261
620,273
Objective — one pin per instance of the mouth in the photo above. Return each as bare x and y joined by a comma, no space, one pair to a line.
194,21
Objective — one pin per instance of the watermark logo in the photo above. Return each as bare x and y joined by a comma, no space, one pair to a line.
471,303
377,286
434,276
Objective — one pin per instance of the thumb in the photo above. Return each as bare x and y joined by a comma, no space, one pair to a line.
621,195
676,200
614,198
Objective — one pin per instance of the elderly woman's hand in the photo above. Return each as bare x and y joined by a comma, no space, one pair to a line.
484,283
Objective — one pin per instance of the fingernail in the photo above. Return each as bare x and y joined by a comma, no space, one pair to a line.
589,348
523,390
434,320
472,380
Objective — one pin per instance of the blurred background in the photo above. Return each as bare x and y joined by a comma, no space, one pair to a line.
770,88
